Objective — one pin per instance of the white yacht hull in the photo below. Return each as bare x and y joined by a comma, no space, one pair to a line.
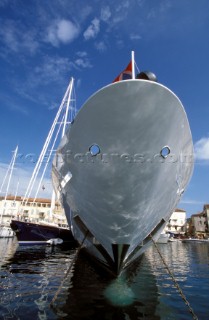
121,198
163,238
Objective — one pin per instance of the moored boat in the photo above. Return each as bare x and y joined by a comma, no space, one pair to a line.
122,167
163,238
29,233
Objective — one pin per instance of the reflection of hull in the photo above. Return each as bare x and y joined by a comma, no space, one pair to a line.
120,199
34,233
6,232
130,296
195,240
7,249
163,238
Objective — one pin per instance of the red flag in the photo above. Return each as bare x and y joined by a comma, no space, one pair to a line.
125,74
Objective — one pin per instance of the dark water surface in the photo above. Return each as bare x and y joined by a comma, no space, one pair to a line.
31,276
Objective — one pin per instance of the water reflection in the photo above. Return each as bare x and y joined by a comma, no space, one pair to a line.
8,247
30,277
93,294
189,264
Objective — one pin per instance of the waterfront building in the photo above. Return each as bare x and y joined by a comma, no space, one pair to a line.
9,208
206,214
177,223
197,226
32,210
198,223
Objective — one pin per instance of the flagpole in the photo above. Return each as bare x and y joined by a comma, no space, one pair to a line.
133,64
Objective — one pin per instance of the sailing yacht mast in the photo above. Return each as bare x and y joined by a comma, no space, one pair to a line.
62,121
69,95
69,90
10,169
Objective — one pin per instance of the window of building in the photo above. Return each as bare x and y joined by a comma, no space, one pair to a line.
41,215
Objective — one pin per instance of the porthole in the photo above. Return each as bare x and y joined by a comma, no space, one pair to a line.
94,149
165,152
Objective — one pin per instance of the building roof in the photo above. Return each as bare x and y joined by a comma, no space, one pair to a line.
19,198
200,214
179,210
11,197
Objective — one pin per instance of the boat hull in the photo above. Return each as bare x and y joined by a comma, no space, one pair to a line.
163,238
34,233
122,167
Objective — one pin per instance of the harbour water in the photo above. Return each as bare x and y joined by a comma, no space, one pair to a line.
32,277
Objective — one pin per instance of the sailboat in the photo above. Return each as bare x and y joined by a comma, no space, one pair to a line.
5,217
52,228
122,167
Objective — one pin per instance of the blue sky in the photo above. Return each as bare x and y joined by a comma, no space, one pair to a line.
44,44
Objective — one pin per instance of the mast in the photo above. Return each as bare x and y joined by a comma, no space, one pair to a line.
69,90
10,168
67,106
133,64
65,114
16,190
59,119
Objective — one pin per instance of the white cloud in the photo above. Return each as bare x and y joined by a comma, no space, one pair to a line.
135,36
62,31
52,69
101,46
192,202
66,31
92,30
201,148
121,12
81,54
105,14
17,39
84,63
10,37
